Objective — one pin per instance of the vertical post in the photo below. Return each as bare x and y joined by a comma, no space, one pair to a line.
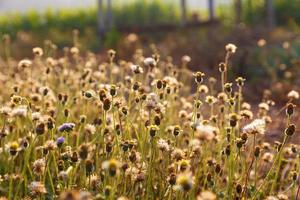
100,18
238,10
211,9
270,13
109,15
250,10
183,12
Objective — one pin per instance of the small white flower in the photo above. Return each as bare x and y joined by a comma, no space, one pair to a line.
246,106
268,157
91,129
186,59
163,145
264,106
36,116
5,110
150,62
206,132
210,100
293,94
256,126
24,63
137,69
37,187
231,48
152,100
20,111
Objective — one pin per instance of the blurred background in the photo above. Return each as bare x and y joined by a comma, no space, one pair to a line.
265,31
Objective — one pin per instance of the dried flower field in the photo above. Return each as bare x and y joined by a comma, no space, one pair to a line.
77,127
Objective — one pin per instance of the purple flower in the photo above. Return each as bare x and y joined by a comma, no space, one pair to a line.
60,141
66,127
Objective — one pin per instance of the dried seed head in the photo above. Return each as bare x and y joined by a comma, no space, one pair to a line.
233,119
82,119
222,67
228,87
157,120
66,112
197,104
153,130
74,157
199,77
102,94
13,148
89,165
257,151
39,167
109,147
88,94
106,104
244,137
172,179
239,188
218,168
50,123
176,130
290,130
40,128
84,151
159,84
240,81
113,90
111,54
37,51
240,142
227,150
294,175
16,99
290,109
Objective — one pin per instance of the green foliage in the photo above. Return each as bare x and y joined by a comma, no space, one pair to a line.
134,13
254,11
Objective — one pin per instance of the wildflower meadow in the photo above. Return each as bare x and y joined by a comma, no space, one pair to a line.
75,126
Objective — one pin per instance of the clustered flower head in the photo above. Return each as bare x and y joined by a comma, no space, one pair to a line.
67,127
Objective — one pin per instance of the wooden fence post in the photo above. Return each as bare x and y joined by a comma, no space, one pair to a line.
109,15
183,12
100,18
238,10
211,9
270,13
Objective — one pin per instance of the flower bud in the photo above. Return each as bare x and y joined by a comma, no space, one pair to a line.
290,130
